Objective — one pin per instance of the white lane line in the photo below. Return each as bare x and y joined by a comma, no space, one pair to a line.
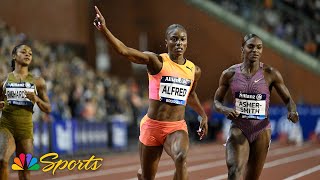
222,162
194,168
165,160
99,173
286,150
222,176
278,162
304,173
192,158
33,173
135,167
293,158
194,149
190,169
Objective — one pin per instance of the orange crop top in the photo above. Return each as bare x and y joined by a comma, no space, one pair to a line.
173,83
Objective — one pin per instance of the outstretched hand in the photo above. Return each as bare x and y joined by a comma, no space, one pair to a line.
293,116
203,128
99,20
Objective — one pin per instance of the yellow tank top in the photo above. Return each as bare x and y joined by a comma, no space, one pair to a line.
15,100
173,83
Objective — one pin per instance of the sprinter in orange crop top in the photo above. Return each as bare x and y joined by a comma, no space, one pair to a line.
172,84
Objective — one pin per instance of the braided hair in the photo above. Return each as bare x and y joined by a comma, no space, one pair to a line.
14,52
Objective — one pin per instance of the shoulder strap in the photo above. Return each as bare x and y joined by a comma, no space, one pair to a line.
238,66
165,57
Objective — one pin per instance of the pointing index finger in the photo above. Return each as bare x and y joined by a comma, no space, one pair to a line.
97,10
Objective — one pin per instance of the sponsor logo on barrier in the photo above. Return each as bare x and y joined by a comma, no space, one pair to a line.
52,163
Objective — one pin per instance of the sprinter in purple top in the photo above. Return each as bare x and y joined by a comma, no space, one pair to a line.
251,83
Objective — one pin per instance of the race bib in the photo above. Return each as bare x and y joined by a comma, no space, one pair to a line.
15,93
251,106
174,90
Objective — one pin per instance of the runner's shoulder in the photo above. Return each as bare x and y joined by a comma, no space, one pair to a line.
229,72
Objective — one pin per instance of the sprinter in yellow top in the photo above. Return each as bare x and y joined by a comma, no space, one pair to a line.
19,91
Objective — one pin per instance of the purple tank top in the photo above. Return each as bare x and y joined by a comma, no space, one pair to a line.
251,99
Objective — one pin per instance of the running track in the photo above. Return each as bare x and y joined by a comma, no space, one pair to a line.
205,162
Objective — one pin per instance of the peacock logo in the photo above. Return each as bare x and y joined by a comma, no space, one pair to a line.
25,160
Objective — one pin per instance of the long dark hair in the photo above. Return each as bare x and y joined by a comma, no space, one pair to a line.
14,52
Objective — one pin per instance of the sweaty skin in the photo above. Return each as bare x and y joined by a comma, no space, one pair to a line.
16,128
176,143
242,157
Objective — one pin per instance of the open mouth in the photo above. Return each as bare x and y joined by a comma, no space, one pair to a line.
179,49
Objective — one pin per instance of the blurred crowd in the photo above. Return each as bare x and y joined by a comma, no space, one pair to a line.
76,90
294,21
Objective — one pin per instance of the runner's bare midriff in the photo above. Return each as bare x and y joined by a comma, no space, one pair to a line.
162,111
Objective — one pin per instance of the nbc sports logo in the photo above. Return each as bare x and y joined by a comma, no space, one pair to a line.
25,160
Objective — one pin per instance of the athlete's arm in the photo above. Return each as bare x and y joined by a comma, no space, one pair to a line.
42,99
133,55
194,103
2,79
220,94
282,90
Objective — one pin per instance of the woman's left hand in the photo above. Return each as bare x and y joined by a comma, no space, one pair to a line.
203,128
